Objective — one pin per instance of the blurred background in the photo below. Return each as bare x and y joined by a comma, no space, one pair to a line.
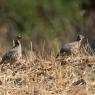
48,23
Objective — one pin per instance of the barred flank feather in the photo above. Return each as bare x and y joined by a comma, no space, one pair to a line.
14,54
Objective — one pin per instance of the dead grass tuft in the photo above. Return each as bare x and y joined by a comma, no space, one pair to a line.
38,75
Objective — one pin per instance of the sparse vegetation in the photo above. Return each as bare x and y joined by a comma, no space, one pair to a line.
48,24
47,76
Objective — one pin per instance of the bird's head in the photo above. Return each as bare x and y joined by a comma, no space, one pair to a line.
80,37
18,37
16,41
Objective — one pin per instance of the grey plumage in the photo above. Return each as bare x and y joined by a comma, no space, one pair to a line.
71,48
14,54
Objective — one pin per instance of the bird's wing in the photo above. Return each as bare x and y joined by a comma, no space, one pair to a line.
7,56
71,45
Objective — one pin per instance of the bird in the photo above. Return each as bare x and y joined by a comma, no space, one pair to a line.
71,48
14,54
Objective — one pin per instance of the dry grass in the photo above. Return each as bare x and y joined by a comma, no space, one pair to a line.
46,76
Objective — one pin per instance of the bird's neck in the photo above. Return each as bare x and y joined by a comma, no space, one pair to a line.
16,43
